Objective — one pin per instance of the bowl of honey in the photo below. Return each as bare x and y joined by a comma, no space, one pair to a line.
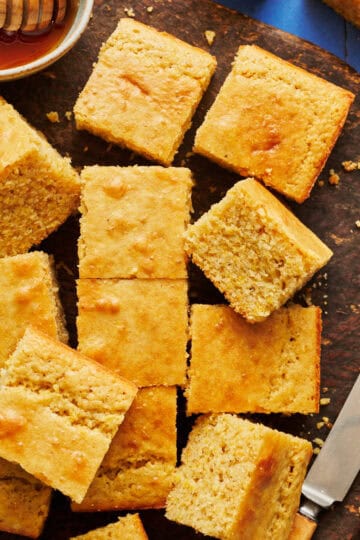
38,32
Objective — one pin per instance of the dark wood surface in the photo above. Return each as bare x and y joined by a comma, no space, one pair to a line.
331,212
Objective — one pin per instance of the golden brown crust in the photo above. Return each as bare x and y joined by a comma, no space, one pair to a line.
272,120
128,527
144,90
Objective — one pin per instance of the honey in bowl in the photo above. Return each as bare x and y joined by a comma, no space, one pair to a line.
18,48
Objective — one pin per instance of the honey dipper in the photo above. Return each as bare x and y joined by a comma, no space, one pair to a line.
31,15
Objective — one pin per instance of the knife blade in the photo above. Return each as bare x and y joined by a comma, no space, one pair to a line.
335,468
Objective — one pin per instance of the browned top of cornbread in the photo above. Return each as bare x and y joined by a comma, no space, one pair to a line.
148,317
241,367
24,501
28,295
128,527
239,480
274,121
31,172
350,9
45,383
133,220
255,250
144,90
138,470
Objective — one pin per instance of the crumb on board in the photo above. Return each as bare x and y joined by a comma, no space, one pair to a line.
318,441
324,401
349,166
85,149
357,223
210,36
334,178
68,115
316,451
53,117
129,12
321,183
150,9
319,425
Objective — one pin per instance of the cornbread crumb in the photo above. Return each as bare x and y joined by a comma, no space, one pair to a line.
272,120
316,451
31,173
68,115
210,36
319,425
325,401
357,223
321,183
349,166
138,470
150,9
53,116
44,384
239,480
334,178
266,360
318,441
128,527
129,12
255,251
159,80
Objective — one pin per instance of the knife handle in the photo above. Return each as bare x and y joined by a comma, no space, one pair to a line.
303,528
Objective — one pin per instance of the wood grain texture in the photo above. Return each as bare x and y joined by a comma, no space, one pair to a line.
331,212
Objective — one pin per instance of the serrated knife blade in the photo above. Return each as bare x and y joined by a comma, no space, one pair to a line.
335,468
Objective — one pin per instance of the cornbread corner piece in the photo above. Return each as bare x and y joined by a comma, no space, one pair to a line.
129,527
144,90
138,470
137,328
59,412
28,295
274,121
255,250
241,367
24,501
239,480
38,188
349,9
133,221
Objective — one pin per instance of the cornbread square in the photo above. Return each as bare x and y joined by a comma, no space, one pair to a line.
28,295
137,328
239,480
133,220
128,527
144,90
255,250
38,188
274,121
241,367
59,412
350,9
24,501
138,470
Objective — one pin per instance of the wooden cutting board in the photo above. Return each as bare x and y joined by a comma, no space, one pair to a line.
331,212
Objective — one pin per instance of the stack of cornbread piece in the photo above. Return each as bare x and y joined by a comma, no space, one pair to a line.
99,423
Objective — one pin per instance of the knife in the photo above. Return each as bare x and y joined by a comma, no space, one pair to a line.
334,469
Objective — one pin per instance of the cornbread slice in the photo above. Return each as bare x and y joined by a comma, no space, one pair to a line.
59,412
241,367
136,327
274,121
128,527
349,9
28,295
239,480
38,188
133,220
138,470
24,501
144,90
255,250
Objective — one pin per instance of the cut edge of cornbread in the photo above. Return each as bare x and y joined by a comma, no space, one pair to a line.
129,527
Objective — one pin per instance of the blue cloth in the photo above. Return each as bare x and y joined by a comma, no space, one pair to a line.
309,19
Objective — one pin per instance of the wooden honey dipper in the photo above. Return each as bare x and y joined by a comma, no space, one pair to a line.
34,16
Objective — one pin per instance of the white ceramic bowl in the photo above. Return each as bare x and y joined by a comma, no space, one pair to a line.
79,23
